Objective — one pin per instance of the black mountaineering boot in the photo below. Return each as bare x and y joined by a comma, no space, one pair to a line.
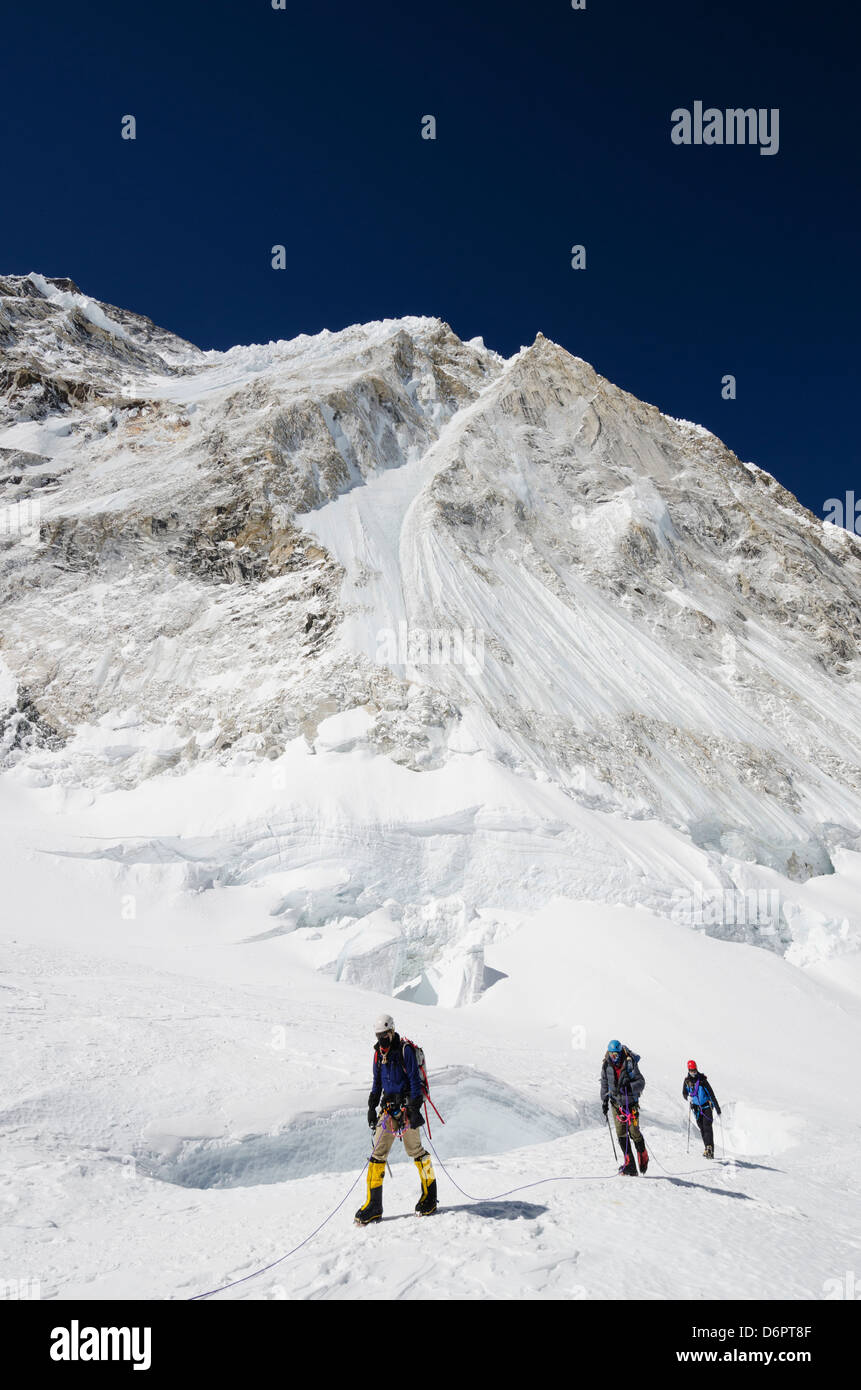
373,1208
629,1167
426,1205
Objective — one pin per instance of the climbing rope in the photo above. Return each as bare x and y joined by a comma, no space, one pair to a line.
580,1177
670,1174
524,1187
282,1258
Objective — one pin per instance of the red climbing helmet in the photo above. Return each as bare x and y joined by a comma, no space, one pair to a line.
692,1066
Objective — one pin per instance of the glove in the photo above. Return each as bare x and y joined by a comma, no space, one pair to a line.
414,1114
372,1116
606,1106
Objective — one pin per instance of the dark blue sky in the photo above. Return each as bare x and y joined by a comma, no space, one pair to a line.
302,127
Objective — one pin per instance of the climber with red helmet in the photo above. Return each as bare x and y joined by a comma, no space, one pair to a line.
697,1090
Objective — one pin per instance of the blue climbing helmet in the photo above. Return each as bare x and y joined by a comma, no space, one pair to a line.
614,1046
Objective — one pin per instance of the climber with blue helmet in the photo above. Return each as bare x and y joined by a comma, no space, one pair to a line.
622,1084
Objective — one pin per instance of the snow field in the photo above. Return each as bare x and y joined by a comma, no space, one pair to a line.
150,1075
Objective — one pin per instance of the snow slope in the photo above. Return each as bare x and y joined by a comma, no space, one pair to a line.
186,1091
458,555
183,1108
372,671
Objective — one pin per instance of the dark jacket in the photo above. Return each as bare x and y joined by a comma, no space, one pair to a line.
396,1075
624,1082
697,1090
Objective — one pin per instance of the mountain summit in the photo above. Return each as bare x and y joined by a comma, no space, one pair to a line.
539,637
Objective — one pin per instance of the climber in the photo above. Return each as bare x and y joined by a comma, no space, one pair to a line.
697,1090
622,1083
397,1084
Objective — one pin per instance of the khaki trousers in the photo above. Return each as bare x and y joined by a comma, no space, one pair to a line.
385,1136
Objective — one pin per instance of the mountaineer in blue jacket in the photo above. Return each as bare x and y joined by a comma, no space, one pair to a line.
697,1090
622,1083
398,1084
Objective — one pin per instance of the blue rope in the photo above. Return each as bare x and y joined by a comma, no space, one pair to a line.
580,1177
282,1258
524,1187
669,1172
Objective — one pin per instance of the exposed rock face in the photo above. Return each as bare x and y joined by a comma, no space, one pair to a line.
657,601
166,488
513,557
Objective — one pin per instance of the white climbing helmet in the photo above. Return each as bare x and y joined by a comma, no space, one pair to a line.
384,1024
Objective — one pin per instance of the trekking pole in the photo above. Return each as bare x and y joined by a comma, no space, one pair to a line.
688,1149
612,1140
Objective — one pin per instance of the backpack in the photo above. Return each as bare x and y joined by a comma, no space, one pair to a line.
634,1057
420,1063
630,1056
699,1089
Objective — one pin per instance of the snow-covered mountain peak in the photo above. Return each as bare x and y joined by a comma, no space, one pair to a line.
64,346
539,600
